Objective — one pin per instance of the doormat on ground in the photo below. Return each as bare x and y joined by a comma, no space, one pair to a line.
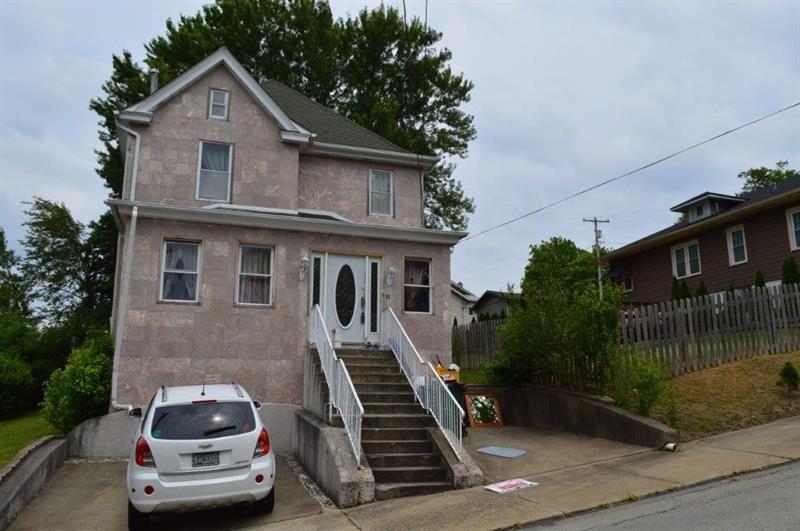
501,452
510,485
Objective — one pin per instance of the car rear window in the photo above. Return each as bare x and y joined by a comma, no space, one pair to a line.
202,421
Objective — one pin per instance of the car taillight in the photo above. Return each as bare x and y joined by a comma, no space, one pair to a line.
144,457
262,445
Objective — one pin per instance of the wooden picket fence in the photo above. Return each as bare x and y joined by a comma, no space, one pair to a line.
696,333
475,343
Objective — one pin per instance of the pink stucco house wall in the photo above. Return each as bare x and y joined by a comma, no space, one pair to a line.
243,205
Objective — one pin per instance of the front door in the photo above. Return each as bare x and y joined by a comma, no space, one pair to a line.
347,288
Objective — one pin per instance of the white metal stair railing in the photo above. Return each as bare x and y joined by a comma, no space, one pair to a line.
342,393
428,386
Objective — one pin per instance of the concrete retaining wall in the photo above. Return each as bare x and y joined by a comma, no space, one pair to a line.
24,477
325,453
543,407
112,435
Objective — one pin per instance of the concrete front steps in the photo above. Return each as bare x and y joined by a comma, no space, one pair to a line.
394,432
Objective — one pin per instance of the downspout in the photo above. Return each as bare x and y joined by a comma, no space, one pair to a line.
122,310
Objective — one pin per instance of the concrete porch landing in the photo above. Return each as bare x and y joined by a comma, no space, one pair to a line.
547,451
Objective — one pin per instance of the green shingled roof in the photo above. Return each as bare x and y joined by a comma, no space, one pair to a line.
328,126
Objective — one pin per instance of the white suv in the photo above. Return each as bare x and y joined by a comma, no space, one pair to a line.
199,447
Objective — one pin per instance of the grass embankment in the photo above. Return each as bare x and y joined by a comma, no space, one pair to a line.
473,377
732,396
17,433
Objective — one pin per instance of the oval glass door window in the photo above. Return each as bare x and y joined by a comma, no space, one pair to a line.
345,296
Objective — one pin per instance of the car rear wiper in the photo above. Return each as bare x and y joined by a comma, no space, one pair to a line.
217,430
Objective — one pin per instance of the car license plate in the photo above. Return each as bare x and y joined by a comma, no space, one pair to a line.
205,459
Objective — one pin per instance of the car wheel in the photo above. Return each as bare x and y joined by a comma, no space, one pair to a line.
266,505
137,520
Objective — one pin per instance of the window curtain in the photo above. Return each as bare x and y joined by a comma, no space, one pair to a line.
214,171
416,292
180,272
381,192
254,280
796,221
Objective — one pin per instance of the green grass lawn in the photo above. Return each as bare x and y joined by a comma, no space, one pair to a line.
17,433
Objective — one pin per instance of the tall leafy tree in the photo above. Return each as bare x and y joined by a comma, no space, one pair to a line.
756,178
383,73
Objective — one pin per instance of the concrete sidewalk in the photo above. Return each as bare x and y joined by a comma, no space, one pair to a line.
574,489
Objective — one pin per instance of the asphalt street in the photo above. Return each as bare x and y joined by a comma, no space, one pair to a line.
769,499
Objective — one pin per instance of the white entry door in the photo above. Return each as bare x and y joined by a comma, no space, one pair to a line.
347,288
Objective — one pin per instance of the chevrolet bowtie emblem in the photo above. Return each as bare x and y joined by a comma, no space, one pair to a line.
205,445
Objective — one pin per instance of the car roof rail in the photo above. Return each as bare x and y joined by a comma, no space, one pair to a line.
238,389
163,394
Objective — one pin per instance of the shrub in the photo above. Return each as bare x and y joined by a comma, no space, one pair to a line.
702,291
790,379
80,390
16,384
790,272
637,384
759,280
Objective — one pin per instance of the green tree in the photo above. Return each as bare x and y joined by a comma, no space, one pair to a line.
385,74
790,378
14,287
756,178
70,265
759,280
559,264
790,272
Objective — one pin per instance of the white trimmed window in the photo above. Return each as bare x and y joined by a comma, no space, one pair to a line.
214,171
417,286
793,222
254,279
686,259
180,271
627,283
381,193
737,248
218,104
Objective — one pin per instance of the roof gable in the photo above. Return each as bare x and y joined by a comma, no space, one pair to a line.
142,112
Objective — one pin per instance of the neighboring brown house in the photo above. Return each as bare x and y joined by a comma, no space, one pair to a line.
722,240
244,204
492,304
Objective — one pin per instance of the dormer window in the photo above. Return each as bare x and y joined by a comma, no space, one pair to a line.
218,104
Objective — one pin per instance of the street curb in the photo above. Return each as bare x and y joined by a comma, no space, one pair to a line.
625,501
23,478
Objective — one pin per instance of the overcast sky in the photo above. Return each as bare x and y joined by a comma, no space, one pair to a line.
566,95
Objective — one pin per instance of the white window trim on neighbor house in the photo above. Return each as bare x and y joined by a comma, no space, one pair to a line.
794,241
200,171
225,104
625,281
685,246
165,271
240,273
729,237
429,286
372,211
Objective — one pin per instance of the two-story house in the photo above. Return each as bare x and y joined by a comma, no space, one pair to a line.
244,204
721,240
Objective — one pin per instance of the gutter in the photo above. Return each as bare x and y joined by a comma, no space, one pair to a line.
378,155
123,308
265,220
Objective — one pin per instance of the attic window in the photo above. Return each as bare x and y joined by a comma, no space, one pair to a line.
218,104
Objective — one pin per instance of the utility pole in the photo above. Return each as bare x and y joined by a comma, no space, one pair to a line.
597,235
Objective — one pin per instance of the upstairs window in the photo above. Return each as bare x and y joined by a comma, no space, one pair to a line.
417,286
180,268
381,193
218,104
627,283
254,282
686,260
737,249
793,219
214,171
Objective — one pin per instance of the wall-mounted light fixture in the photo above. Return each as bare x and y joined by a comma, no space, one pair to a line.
304,263
391,271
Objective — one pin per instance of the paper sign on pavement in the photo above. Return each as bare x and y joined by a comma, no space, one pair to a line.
510,485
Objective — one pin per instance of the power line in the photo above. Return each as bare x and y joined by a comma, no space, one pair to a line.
640,168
